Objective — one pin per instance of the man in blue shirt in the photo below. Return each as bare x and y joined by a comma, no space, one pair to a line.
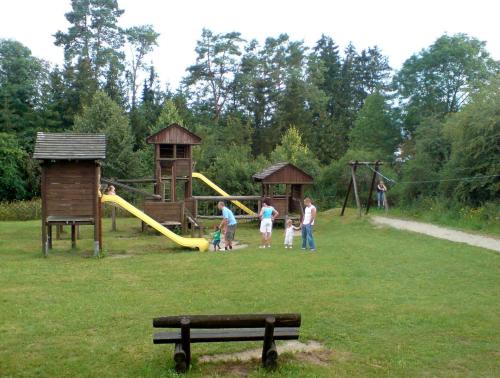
228,225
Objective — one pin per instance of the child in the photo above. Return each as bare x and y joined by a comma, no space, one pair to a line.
216,239
110,190
290,228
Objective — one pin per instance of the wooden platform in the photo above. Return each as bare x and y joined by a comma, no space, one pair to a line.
56,220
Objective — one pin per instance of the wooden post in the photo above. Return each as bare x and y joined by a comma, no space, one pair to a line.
59,231
113,218
374,176
355,186
173,183
386,203
73,235
185,340
44,211
267,358
97,212
346,197
100,228
49,236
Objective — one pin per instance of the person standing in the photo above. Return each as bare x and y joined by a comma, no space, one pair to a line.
307,225
267,215
381,189
228,225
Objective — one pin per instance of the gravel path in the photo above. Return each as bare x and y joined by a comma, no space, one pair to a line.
440,232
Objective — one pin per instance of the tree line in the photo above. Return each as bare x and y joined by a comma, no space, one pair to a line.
432,122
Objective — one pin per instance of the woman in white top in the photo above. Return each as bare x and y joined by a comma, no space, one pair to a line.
307,225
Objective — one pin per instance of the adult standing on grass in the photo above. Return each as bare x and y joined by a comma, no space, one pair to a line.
267,216
381,189
307,225
228,225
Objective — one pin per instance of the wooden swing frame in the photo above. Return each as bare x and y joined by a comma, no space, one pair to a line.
353,185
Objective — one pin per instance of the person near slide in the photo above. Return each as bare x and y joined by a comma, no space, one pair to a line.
228,225
267,216
307,225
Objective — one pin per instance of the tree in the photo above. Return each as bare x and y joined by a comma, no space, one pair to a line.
216,64
22,77
13,183
441,78
168,115
425,161
374,130
474,133
142,40
105,116
292,150
94,35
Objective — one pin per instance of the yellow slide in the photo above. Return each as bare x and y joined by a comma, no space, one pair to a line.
221,192
200,243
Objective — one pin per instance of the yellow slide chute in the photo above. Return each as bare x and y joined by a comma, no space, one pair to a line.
200,243
219,190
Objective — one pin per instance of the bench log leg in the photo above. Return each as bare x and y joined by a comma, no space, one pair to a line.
181,365
269,353
186,340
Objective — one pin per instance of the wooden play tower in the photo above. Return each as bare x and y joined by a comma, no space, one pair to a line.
173,168
173,161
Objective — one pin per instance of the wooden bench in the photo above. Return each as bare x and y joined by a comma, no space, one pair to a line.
224,328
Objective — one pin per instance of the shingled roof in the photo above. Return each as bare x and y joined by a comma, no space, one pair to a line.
283,172
174,134
70,146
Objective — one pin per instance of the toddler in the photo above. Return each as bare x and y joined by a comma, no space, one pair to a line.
290,228
216,238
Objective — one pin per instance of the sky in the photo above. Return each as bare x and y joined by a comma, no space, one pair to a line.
399,27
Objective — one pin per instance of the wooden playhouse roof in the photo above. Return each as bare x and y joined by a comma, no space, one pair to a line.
70,146
283,173
174,134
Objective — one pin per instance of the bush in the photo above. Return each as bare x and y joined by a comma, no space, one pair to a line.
21,210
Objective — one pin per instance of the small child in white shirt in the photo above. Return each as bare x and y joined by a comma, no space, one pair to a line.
289,230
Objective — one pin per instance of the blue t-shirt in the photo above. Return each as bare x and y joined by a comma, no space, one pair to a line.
267,212
228,214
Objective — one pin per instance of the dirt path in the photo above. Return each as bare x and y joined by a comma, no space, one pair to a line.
440,232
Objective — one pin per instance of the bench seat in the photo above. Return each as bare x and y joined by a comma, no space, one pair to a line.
221,335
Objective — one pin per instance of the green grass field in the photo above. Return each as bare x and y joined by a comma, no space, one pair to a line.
385,302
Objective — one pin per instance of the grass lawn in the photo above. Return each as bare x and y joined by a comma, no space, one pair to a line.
386,302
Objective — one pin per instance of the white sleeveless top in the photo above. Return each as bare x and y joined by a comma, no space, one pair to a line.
307,215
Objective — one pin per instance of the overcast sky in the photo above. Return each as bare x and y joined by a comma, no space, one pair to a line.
398,27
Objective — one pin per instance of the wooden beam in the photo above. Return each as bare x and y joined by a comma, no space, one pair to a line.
378,162
137,181
227,198
130,188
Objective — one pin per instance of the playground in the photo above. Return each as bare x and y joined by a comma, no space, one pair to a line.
373,300
380,301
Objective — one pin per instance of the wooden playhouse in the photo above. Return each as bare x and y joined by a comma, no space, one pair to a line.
283,183
71,172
